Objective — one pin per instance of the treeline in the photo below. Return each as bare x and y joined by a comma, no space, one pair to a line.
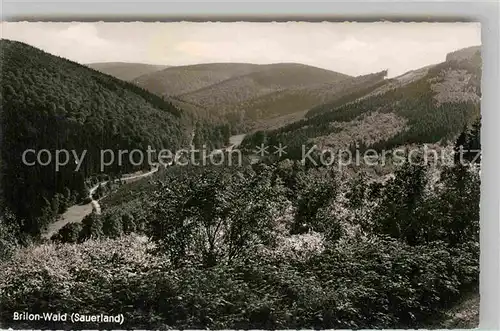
52,103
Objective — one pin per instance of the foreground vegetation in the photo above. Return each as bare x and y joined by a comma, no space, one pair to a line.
264,246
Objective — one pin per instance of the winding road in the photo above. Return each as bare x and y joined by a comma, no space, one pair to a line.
77,213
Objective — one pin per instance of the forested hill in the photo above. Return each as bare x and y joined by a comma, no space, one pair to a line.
53,103
246,95
179,80
427,105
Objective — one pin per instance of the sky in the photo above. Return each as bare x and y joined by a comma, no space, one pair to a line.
349,48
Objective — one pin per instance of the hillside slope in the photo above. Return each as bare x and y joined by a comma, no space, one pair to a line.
268,79
54,104
126,71
249,96
428,105
298,100
179,80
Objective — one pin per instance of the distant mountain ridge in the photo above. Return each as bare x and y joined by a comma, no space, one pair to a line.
179,80
264,80
125,70
248,95
251,96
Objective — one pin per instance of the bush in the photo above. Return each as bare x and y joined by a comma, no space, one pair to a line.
387,284
112,226
111,276
315,190
69,233
128,223
9,234
92,227
86,200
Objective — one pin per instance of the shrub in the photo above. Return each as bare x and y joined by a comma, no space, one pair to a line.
111,276
216,215
92,227
112,226
9,234
86,200
69,233
389,284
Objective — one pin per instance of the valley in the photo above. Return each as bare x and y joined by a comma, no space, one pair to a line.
272,242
